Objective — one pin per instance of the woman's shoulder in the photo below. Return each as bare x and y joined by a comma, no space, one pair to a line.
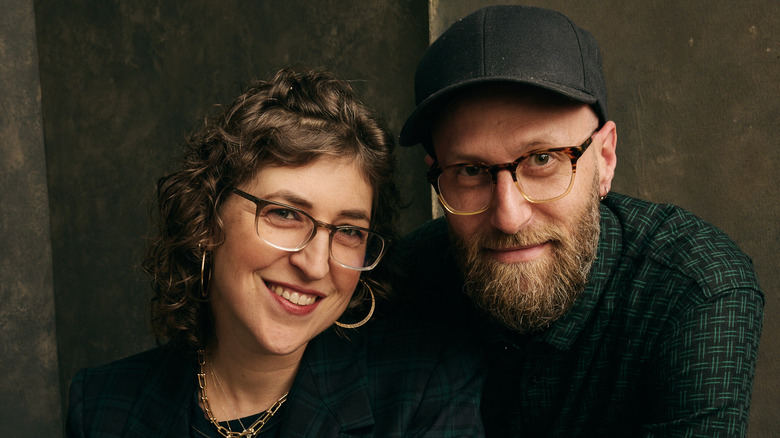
126,368
418,341
397,377
430,376
425,359
103,397
395,343
398,354
126,378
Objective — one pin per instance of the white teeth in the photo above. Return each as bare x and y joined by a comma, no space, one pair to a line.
294,297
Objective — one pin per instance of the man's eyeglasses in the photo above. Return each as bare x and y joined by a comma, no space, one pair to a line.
541,176
291,229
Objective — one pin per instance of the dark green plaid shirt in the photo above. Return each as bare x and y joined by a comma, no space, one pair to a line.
662,342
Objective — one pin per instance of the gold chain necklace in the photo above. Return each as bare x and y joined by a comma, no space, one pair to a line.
217,383
254,429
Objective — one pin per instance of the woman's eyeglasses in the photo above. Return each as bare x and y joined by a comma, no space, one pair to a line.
290,229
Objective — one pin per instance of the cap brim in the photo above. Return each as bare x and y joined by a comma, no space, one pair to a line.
417,125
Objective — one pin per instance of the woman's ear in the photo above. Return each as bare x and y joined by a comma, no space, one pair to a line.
428,160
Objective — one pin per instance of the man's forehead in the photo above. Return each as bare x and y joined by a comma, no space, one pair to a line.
525,111
471,101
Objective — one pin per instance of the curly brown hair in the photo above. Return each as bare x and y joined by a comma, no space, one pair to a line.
293,119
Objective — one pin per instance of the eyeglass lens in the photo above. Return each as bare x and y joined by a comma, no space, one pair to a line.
540,177
291,230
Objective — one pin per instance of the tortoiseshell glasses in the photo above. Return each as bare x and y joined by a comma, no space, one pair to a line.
541,175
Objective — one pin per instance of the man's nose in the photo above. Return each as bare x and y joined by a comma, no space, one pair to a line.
509,211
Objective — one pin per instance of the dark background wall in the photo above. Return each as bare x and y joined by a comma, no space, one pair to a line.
96,97
30,385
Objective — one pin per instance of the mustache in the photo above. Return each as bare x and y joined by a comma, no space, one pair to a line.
490,239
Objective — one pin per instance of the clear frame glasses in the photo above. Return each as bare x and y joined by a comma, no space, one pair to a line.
290,229
542,175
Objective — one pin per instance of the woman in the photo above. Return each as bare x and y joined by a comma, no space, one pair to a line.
266,268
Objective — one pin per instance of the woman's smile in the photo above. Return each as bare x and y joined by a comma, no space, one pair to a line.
294,300
294,297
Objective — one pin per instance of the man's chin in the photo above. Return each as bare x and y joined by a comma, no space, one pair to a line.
522,296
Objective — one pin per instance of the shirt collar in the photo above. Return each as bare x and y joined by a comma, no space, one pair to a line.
564,332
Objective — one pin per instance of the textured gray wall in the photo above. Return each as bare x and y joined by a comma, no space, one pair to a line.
29,386
694,88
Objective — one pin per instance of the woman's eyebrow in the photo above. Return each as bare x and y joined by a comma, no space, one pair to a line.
355,214
297,201
290,198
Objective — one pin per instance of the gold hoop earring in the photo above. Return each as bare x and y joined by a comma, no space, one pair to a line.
203,292
370,312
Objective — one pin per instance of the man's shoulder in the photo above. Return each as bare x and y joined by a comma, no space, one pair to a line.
429,276
678,240
432,235
427,248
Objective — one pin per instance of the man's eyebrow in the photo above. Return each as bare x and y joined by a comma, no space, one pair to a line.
521,149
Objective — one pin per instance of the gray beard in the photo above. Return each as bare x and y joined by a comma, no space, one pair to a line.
529,296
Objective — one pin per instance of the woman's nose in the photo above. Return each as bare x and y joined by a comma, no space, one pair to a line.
314,259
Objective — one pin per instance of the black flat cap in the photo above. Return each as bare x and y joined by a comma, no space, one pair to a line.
507,44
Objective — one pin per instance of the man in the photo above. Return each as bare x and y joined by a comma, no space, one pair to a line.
600,314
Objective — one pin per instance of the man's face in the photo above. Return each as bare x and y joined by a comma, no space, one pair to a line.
525,263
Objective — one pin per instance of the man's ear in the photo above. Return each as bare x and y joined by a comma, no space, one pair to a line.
607,159
428,160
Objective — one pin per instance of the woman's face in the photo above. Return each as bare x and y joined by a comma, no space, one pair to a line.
250,279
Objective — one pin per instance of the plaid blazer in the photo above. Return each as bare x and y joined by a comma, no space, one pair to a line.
388,379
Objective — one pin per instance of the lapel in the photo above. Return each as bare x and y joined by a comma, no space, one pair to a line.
330,396
162,408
